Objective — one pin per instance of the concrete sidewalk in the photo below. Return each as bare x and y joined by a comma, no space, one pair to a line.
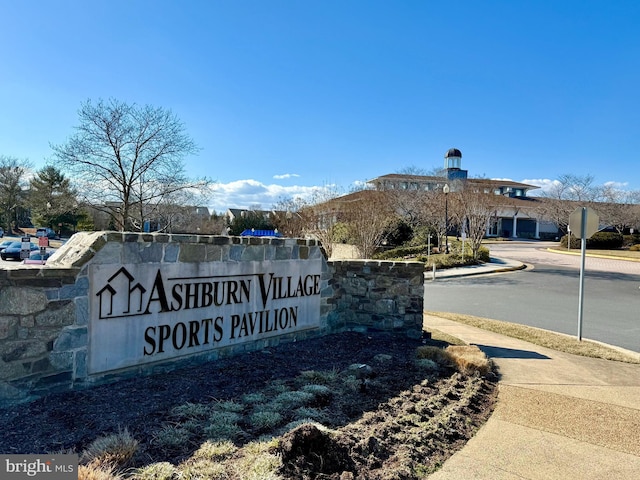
558,416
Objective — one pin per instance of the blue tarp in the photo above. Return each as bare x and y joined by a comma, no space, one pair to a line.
260,233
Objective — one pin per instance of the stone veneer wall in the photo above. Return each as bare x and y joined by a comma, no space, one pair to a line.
371,295
44,311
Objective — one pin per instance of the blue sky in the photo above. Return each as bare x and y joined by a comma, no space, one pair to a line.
284,96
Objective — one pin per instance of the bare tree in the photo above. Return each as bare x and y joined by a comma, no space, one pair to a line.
579,188
474,209
291,216
13,189
123,156
368,216
566,193
316,216
415,170
618,208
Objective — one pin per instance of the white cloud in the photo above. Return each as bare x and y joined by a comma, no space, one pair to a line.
616,185
251,193
285,176
544,183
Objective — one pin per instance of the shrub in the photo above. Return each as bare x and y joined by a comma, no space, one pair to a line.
632,239
156,471
598,241
469,359
575,242
435,354
635,248
265,419
97,471
191,410
290,400
116,449
318,377
172,437
223,426
402,252
215,451
605,241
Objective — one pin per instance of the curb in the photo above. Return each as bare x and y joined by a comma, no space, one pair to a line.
593,255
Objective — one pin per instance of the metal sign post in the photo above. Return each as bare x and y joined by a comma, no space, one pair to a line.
585,222
25,247
583,254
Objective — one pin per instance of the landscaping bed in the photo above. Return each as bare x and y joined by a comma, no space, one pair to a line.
344,406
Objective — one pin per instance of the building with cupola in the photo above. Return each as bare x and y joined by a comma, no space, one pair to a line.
516,214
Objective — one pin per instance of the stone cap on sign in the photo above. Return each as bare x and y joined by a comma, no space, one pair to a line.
83,246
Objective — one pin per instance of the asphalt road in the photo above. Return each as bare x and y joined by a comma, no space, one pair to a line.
546,294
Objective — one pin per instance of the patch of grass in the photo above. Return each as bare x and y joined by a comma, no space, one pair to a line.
97,471
469,359
223,426
426,364
172,437
258,463
311,414
544,338
252,398
318,377
229,406
439,336
435,354
290,400
115,449
275,387
194,469
156,471
265,419
191,410
215,451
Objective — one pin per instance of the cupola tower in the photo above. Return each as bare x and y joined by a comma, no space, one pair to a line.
453,164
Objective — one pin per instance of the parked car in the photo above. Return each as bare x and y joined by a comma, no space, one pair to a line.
37,258
13,250
46,232
5,244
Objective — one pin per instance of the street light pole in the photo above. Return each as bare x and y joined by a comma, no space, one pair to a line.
445,189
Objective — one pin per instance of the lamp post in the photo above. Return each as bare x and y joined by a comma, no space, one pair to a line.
445,190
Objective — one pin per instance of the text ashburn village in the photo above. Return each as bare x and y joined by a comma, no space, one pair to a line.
218,293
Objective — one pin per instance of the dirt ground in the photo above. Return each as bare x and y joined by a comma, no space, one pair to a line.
401,422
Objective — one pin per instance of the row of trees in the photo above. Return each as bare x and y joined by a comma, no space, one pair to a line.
617,208
370,219
46,198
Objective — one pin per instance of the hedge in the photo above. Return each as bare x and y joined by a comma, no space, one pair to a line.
598,241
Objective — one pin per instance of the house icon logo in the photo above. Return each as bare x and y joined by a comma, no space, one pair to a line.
122,296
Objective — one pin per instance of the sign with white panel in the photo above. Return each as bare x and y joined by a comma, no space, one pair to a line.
144,313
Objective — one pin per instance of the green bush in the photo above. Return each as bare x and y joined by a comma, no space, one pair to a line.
605,241
575,242
632,239
598,241
402,252
420,254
